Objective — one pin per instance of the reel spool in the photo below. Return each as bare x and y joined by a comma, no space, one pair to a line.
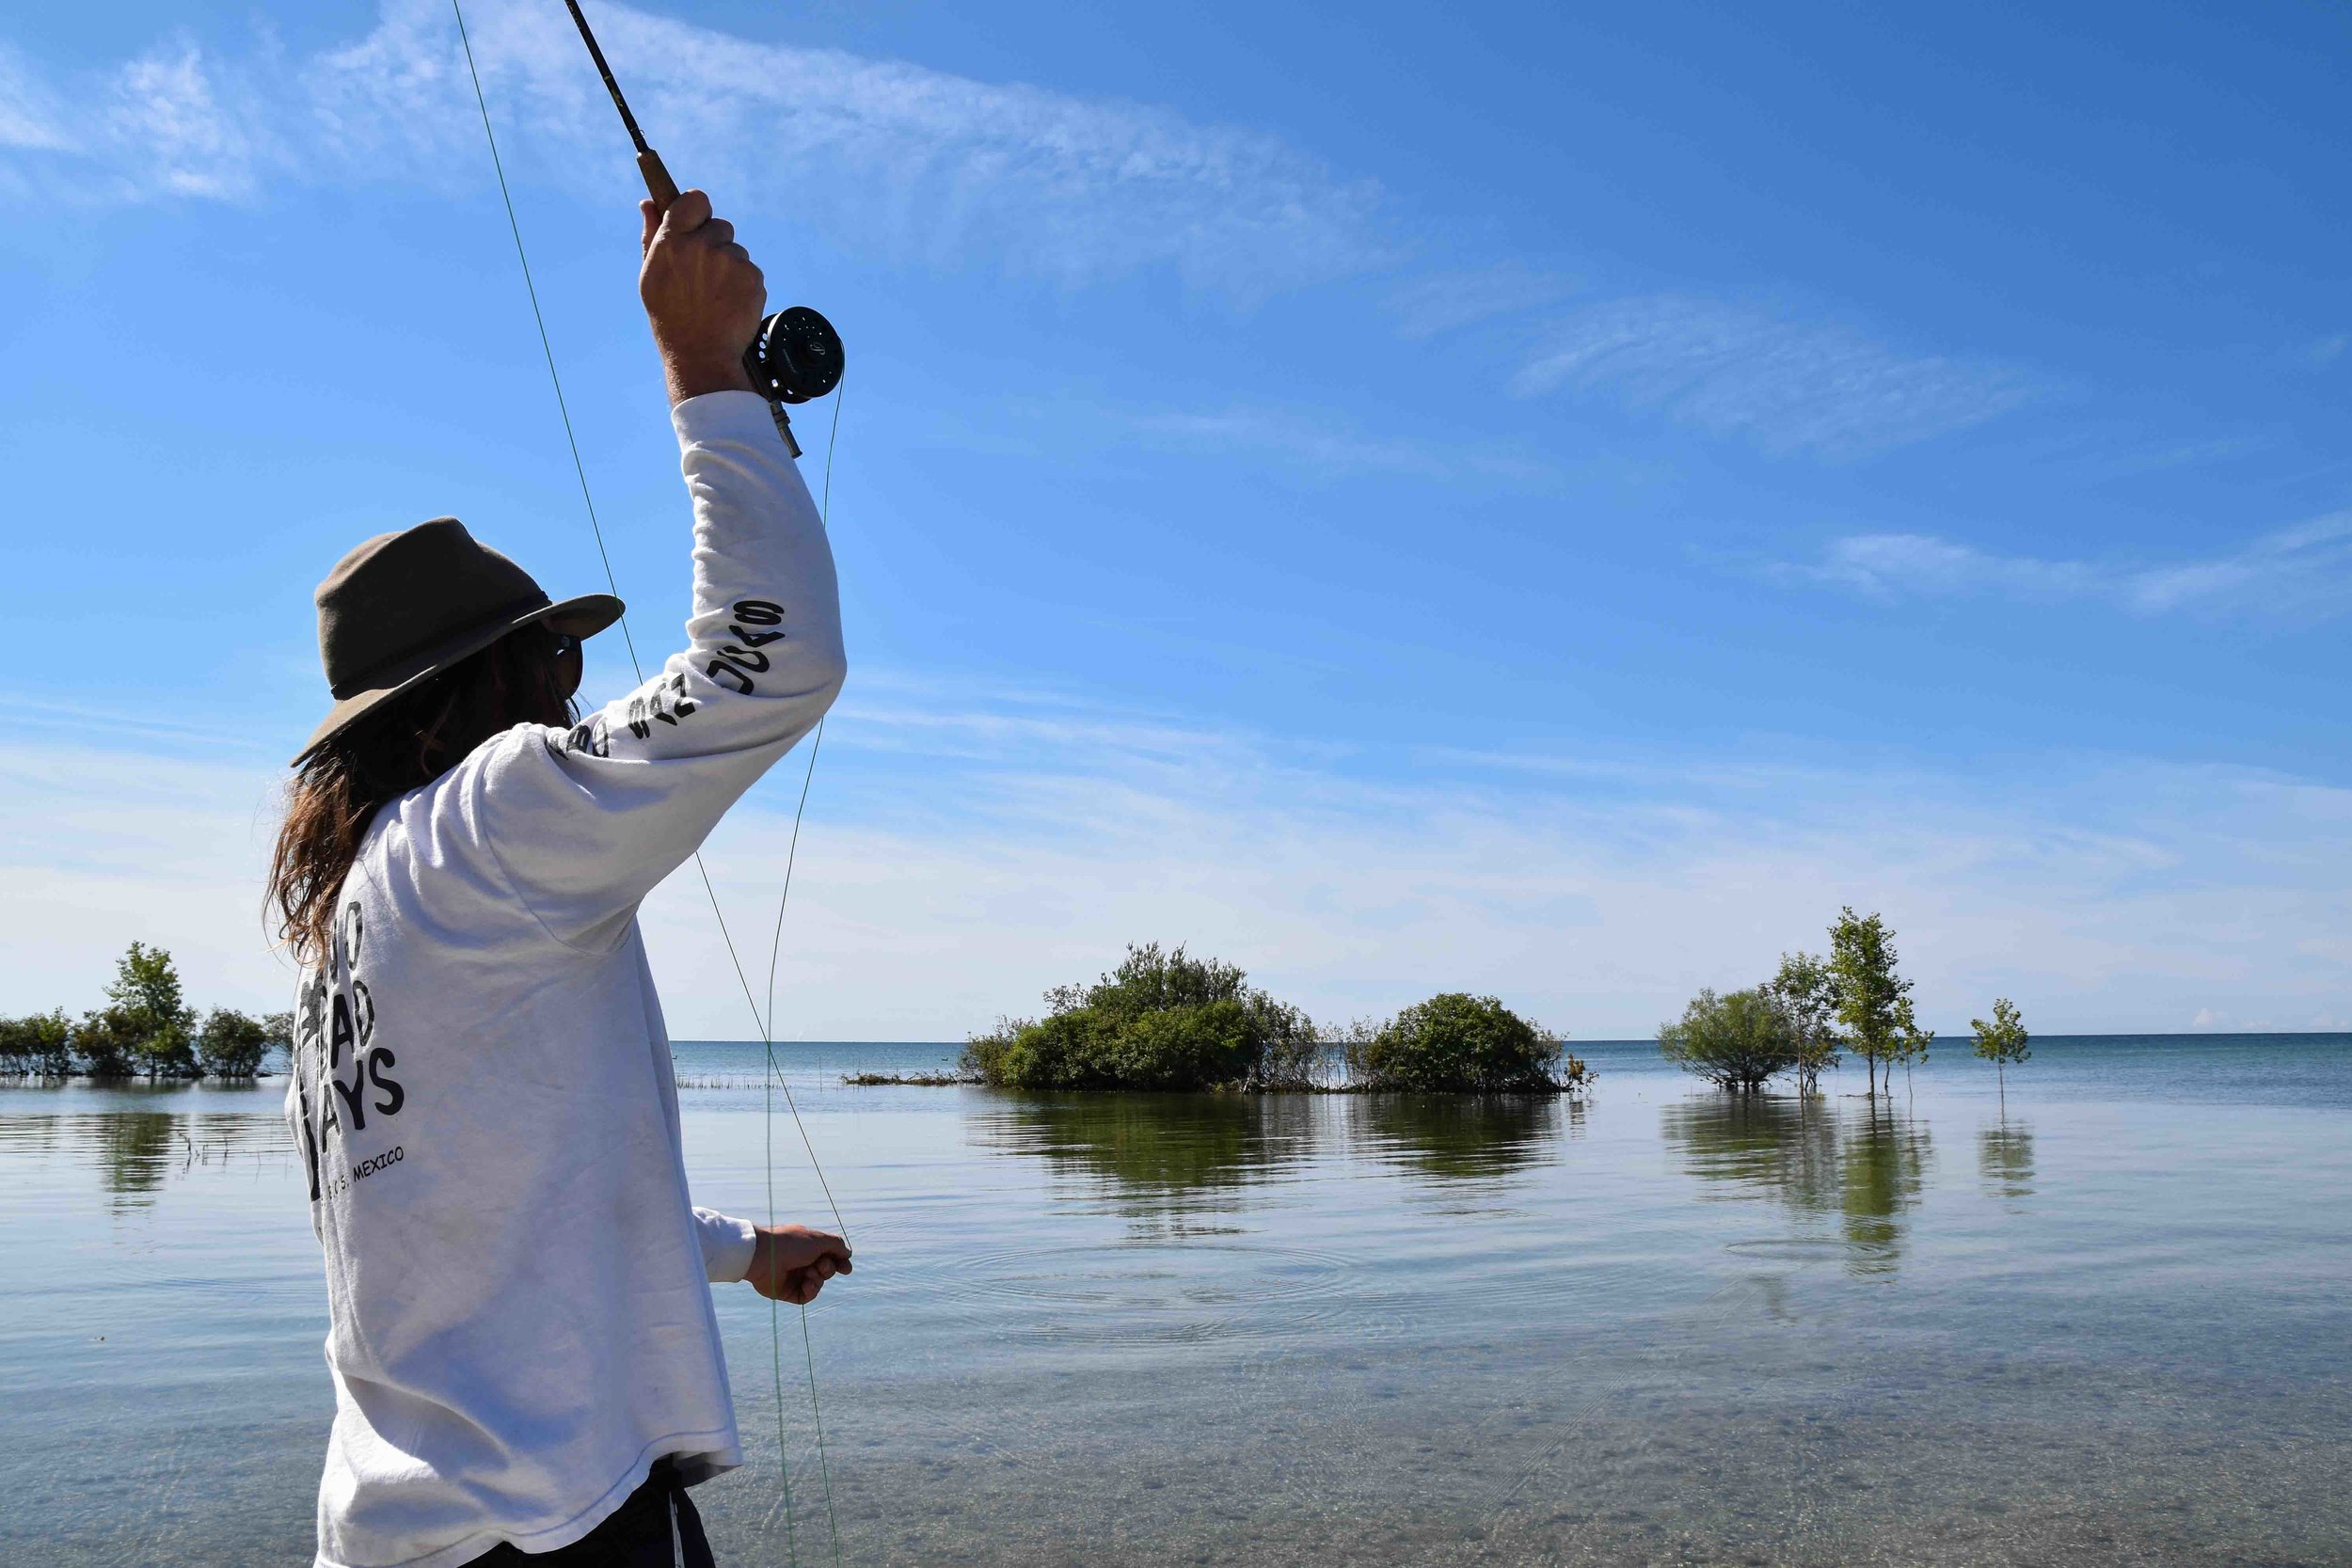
795,356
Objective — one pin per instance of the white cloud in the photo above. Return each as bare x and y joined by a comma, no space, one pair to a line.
2300,572
165,123
1331,448
1444,302
1786,386
961,854
1302,443
165,105
917,161
904,161
30,116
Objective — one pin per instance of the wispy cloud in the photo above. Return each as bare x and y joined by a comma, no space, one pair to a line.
1331,448
2300,572
166,123
932,164
30,117
1297,443
166,105
1786,385
933,168
1446,301
961,852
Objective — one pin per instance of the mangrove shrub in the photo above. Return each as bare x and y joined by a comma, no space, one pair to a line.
231,1044
1461,1043
1160,1021
39,1043
106,1043
1735,1041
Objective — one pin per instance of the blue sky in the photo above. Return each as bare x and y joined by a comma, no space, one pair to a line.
1535,503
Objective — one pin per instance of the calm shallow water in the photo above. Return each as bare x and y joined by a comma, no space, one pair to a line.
2106,1323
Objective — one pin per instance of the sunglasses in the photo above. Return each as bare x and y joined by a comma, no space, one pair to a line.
568,660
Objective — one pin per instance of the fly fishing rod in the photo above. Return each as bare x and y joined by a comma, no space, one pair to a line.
795,354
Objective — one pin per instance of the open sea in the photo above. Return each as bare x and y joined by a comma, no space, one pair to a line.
2107,1321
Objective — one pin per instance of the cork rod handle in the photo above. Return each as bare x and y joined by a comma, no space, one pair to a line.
657,181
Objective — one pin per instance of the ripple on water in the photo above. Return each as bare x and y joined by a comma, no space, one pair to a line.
1174,1291
1251,1293
1804,1249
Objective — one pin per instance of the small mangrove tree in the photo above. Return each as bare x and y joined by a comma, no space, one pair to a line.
1737,1042
1873,1001
2002,1041
1462,1044
1807,993
1161,1020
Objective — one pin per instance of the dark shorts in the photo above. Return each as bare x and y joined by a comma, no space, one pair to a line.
657,1527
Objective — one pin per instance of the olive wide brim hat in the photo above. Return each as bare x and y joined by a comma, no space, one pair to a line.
404,607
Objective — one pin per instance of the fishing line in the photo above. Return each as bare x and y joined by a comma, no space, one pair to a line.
545,347
776,943
775,1074
771,342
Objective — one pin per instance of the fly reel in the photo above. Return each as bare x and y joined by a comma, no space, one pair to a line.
795,356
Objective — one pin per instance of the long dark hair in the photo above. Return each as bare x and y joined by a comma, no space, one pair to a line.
406,740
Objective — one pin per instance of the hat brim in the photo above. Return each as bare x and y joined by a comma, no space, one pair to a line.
582,617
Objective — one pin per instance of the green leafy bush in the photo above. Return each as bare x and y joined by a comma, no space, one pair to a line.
231,1044
1160,1021
39,1043
1459,1042
1735,1041
106,1042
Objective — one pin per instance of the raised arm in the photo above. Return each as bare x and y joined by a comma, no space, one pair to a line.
585,823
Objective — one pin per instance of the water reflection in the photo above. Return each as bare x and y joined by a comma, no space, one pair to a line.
1767,1145
1863,1165
1463,1137
1155,1158
139,1138
1170,1158
2005,1159
137,1149
1885,1157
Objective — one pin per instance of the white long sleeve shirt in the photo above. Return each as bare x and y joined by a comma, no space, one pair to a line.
518,1285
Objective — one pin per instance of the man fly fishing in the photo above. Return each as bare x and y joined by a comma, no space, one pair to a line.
525,1354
